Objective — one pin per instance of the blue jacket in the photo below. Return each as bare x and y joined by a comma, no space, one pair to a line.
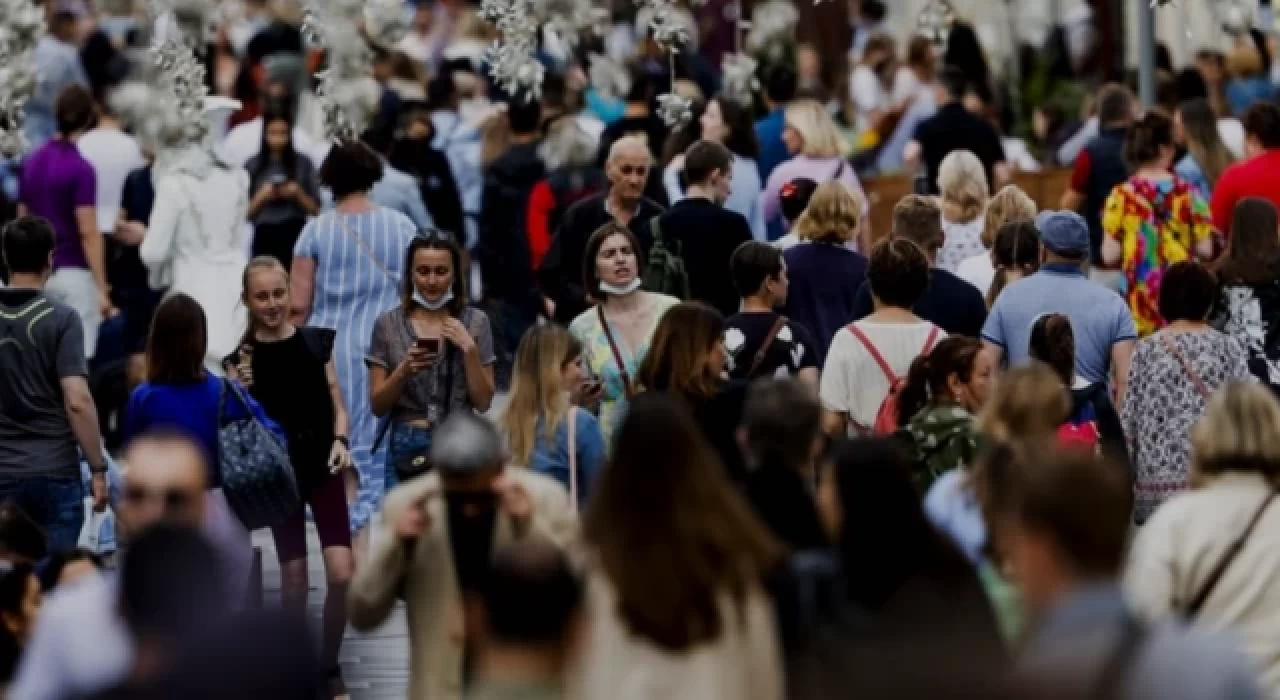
192,409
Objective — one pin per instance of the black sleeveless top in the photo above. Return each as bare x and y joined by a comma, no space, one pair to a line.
289,381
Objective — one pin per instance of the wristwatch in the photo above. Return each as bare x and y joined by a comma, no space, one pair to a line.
99,469
342,439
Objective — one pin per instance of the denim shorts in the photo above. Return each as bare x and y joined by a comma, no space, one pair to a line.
405,440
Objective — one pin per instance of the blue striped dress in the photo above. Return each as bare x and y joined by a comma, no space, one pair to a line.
355,281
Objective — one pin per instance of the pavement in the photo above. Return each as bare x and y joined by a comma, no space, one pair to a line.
374,665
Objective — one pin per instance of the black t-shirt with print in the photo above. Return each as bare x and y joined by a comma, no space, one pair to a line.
791,351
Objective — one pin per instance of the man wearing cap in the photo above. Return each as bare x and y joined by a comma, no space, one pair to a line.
435,543
1104,329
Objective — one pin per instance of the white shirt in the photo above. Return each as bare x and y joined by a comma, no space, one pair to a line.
962,241
245,140
113,155
853,382
979,271
867,93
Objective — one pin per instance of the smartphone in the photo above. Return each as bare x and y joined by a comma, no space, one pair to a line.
277,180
431,346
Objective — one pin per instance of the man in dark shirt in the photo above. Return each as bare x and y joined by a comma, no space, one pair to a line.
503,250
47,415
1100,167
561,273
949,302
701,231
954,128
760,341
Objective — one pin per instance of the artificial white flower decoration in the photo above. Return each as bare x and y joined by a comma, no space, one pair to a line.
674,110
738,78
21,26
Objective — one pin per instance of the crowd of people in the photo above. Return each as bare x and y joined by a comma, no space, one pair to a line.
614,408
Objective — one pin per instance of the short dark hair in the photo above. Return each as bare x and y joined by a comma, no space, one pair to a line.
643,87
753,263
21,538
171,579
919,220
954,80
350,167
1078,500
781,418
74,110
178,341
704,158
1262,121
780,83
1187,292
27,244
1115,105
1146,137
898,272
531,595
590,277
525,115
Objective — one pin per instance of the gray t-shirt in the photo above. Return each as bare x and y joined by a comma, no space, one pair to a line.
392,338
41,342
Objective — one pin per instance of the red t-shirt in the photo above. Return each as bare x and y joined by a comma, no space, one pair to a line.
1256,177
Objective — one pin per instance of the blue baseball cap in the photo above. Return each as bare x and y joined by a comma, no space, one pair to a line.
1064,233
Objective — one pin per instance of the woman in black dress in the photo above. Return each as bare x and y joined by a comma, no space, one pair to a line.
285,193
290,371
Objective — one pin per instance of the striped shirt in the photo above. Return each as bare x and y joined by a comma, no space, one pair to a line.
359,265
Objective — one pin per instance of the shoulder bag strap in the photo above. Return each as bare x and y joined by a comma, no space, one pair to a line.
617,356
930,341
573,458
764,347
1172,347
1232,552
364,248
656,229
875,354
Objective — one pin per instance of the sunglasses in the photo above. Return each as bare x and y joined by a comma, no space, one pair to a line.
174,500
629,170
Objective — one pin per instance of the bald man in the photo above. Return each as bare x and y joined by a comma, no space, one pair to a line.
80,645
628,167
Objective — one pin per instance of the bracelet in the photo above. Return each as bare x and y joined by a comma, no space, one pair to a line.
343,439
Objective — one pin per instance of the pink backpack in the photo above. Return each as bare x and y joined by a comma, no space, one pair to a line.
887,415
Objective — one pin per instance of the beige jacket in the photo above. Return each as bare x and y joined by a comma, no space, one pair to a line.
743,664
432,598
1178,548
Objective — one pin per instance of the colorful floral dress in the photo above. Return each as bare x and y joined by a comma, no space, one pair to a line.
1157,224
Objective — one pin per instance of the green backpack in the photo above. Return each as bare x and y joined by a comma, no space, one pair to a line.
665,273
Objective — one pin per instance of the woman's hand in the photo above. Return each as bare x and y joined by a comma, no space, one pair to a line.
131,232
416,361
242,373
456,333
339,457
289,190
588,394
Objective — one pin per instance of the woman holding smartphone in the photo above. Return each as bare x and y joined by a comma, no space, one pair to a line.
290,371
429,356
285,192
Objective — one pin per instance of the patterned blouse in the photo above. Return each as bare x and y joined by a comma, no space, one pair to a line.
1251,315
961,241
598,357
1164,401
1157,224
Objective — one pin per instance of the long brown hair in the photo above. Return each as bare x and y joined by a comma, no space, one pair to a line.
669,572
536,391
1053,342
1254,247
927,379
1016,251
677,359
178,341
437,240
1204,143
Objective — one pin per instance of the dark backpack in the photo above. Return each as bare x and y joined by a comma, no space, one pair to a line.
665,273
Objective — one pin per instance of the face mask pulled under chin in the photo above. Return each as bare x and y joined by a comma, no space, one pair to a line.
617,291
432,305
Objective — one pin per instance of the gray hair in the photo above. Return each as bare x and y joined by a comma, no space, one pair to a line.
625,143
465,444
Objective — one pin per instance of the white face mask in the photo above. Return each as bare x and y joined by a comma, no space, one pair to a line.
624,290
432,306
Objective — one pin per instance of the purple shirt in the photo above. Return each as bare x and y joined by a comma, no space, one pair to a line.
56,180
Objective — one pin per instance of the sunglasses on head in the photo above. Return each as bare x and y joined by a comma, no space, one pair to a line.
173,499
435,234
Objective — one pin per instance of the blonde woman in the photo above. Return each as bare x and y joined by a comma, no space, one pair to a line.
818,152
1010,205
1185,565
548,373
824,271
963,184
